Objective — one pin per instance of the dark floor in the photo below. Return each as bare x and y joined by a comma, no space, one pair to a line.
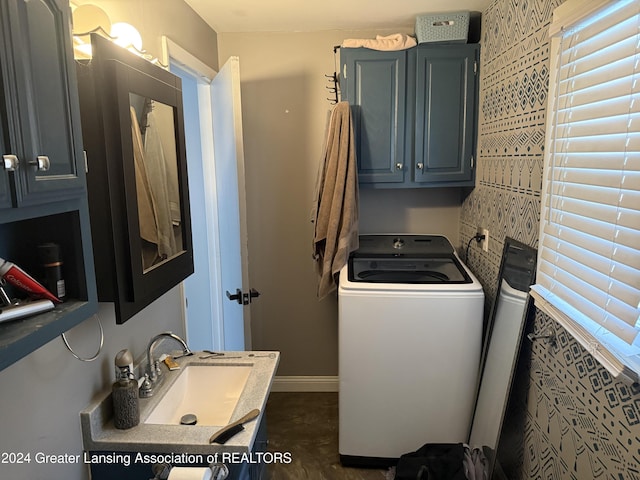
306,426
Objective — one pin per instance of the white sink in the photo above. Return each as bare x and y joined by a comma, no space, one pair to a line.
210,392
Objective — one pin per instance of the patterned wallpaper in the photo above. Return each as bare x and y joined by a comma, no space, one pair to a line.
578,422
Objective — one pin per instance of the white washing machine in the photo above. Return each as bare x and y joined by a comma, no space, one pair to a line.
410,337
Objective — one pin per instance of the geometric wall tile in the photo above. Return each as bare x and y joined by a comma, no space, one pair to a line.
580,422
589,421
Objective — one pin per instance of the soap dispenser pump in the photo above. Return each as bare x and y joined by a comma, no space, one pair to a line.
126,405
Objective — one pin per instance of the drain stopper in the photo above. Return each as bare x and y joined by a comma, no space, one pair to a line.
188,419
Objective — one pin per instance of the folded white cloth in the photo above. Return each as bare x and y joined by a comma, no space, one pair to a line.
396,41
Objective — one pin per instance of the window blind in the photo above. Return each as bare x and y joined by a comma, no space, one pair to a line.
589,262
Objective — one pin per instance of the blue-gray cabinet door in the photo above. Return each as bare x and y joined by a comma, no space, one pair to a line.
40,103
445,116
374,84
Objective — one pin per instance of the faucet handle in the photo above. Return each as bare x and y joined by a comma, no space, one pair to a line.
156,368
146,390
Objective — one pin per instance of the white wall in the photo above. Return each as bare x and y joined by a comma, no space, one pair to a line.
41,395
284,110
430,210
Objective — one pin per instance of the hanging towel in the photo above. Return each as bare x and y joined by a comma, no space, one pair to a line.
335,210
147,217
397,41
155,162
162,118
146,210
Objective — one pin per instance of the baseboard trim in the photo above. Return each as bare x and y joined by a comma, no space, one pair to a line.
305,384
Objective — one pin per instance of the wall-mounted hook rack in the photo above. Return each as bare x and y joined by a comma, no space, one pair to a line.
335,87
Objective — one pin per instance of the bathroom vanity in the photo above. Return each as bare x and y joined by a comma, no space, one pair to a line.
243,382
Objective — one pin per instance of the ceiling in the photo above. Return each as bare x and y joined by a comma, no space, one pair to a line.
313,15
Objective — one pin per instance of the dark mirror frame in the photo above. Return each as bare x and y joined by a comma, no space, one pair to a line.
105,83
517,268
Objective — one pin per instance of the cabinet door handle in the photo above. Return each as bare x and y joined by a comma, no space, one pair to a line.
10,162
41,163
420,166
398,166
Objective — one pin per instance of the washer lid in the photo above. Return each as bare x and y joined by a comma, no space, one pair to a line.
384,269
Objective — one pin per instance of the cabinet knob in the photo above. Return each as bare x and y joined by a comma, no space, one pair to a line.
10,162
398,166
41,163
420,166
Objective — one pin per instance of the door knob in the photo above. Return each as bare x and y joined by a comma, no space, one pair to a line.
253,293
10,162
235,296
41,163
243,298
398,166
247,298
420,166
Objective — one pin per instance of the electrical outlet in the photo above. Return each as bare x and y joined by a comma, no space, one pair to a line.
484,243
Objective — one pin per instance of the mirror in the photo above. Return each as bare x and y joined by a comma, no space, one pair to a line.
156,173
502,344
133,133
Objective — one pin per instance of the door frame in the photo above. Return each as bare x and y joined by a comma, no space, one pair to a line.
174,53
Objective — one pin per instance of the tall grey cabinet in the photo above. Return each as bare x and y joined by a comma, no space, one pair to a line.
415,114
42,176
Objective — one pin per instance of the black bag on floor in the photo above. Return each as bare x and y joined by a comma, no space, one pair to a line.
433,461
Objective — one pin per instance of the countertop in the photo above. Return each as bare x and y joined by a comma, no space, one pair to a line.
99,434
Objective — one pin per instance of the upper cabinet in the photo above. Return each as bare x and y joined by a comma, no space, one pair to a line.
133,130
42,175
415,114
42,158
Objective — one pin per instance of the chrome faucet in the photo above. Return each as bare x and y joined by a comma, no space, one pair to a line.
153,373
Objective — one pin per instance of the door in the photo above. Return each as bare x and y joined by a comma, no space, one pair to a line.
230,187
216,192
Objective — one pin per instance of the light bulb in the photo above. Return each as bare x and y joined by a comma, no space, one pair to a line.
126,35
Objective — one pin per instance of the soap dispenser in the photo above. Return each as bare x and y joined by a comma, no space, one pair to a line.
126,407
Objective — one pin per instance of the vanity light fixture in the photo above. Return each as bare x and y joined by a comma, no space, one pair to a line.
88,19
